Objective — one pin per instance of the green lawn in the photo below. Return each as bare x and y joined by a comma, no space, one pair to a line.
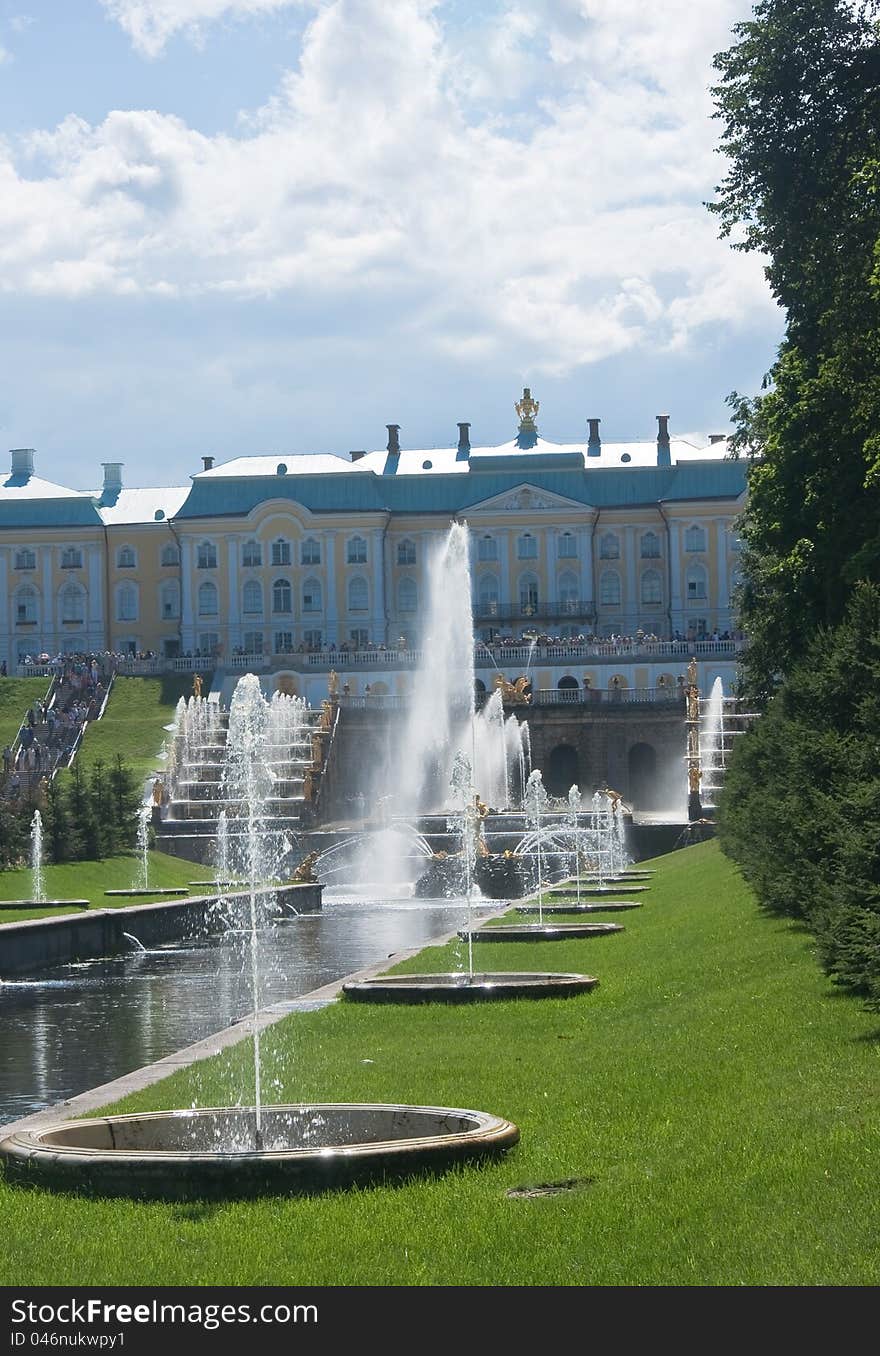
133,723
89,880
716,1099
16,695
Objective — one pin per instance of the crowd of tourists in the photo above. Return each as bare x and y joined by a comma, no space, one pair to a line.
52,725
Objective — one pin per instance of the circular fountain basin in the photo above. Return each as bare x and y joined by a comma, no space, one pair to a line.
614,889
149,890
606,906
44,904
463,988
539,932
184,1155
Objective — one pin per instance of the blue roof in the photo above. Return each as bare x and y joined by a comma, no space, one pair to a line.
71,511
389,492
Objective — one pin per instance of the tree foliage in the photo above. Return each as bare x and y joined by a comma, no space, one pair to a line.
801,801
799,100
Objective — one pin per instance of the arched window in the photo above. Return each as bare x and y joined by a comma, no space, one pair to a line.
312,600
356,551
206,556
568,590
72,603
407,596
528,594
280,552
406,553
26,604
527,547
71,558
609,588
696,583
358,595
310,552
207,600
170,599
609,547
566,546
695,539
126,602
650,546
487,595
251,554
282,597
126,558
252,598
25,559
170,555
652,587
487,549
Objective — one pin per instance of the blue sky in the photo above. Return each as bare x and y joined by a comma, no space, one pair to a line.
256,226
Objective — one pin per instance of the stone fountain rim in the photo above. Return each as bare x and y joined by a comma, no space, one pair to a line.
30,1146
482,984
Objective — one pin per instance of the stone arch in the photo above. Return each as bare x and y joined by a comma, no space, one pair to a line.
288,684
642,775
563,769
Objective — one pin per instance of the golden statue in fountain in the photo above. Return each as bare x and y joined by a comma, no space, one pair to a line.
515,693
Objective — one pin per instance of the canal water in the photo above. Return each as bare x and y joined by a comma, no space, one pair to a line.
73,1027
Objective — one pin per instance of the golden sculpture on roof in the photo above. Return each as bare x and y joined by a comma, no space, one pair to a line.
526,409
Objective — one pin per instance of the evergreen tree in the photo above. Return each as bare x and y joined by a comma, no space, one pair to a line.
124,799
83,829
57,823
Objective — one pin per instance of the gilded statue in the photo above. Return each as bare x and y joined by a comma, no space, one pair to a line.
317,752
694,778
692,673
526,409
197,685
333,683
305,872
512,694
326,721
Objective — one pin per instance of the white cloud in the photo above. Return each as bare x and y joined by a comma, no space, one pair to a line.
558,215
150,23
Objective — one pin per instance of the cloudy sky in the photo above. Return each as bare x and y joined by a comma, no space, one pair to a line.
255,226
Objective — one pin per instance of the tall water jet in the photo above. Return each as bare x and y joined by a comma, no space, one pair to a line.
574,807
535,802
248,784
467,825
38,889
144,814
440,719
490,753
712,741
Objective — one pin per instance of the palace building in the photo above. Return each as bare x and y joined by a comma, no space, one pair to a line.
290,563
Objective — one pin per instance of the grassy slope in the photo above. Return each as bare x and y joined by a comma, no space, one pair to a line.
89,880
133,723
16,695
719,1097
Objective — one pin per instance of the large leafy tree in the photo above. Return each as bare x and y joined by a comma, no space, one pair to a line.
799,101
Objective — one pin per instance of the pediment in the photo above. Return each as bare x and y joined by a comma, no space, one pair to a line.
526,498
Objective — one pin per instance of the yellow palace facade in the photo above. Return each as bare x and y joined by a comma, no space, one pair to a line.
282,562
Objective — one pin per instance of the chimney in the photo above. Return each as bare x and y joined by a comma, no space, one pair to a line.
717,438
207,463
358,453
464,442
664,453
594,443
112,476
21,461
393,437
